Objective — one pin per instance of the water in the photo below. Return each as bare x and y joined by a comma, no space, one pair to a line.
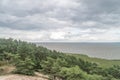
99,50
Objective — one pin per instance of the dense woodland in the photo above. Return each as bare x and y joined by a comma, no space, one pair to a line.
29,58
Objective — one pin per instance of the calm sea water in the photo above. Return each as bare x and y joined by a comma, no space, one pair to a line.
100,50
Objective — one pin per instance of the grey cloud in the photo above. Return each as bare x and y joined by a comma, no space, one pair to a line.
23,8
46,15
105,12
100,6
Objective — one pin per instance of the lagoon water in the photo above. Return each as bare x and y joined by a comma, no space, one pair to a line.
99,50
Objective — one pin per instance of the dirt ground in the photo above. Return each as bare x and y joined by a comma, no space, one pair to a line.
9,76
21,77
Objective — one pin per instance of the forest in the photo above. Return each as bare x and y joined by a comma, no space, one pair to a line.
28,58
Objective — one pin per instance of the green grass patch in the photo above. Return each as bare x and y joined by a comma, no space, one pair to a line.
101,62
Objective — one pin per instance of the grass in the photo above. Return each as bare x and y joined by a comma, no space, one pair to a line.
102,62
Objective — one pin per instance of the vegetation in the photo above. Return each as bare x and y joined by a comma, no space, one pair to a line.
29,58
102,62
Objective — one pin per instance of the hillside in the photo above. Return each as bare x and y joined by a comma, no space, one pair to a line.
102,62
19,57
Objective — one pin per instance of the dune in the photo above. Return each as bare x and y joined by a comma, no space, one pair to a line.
21,77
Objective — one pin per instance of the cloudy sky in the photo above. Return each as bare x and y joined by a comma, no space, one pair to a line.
60,20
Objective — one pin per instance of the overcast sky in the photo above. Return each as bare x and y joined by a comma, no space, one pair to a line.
60,20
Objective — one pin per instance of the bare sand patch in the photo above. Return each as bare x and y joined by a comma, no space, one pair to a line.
21,77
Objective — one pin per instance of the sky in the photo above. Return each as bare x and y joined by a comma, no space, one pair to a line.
60,20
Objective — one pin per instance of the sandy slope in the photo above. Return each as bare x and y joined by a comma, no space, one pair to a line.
8,69
20,77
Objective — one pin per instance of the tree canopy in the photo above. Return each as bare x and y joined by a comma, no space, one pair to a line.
28,58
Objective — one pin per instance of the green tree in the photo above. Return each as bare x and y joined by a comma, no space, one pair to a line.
25,67
114,71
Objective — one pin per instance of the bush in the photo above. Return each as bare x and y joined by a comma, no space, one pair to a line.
25,67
